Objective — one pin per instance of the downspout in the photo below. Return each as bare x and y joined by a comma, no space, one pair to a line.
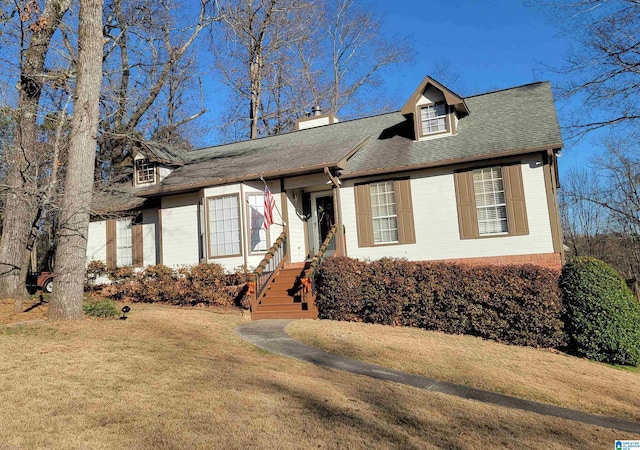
243,222
336,182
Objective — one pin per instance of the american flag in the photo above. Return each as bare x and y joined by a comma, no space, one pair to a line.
269,204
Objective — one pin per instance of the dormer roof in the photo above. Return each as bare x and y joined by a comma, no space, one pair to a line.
450,97
161,153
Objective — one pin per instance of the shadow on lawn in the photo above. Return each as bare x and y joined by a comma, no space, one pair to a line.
447,427
37,304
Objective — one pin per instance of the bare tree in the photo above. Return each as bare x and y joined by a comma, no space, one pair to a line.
601,206
148,66
603,68
584,219
281,57
21,200
252,52
66,302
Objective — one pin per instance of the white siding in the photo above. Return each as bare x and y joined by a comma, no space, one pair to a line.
180,230
297,248
436,221
149,237
97,241
164,172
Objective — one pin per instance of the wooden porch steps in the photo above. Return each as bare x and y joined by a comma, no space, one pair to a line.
281,300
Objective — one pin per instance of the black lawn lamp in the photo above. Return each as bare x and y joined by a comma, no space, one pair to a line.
125,310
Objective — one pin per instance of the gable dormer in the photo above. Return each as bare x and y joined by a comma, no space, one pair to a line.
153,161
434,110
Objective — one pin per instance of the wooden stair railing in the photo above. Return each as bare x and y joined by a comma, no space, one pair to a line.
308,283
268,268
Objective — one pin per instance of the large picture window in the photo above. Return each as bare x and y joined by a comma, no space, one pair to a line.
257,232
224,226
491,204
434,118
383,212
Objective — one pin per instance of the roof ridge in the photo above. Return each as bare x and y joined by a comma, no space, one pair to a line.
508,89
211,147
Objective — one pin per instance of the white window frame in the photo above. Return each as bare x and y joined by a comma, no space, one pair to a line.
124,242
224,232
145,171
432,117
379,201
255,212
484,182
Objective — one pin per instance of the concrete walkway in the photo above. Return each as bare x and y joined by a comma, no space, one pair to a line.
270,335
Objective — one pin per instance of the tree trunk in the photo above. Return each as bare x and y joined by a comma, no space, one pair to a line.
68,287
21,207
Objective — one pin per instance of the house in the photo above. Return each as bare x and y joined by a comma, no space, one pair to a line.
471,180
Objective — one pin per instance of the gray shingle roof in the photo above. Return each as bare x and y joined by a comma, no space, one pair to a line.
162,153
116,198
510,121
502,122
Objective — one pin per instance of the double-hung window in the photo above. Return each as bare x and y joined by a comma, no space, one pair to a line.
224,226
491,203
257,232
383,212
124,243
434,118
145,172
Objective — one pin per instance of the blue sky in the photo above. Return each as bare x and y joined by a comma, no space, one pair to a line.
490,44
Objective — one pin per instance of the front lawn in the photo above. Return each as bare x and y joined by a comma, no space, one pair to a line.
172,377
540,375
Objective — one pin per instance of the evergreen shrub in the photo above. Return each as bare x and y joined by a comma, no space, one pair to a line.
603,316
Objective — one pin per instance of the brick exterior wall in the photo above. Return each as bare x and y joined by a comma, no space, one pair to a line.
548,260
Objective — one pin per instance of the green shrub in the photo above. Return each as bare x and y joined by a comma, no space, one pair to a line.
512,304
104,308
602,317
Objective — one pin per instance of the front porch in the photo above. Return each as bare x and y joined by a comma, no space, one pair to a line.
280,289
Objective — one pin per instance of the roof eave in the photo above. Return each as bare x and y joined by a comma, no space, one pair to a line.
452,161
180,189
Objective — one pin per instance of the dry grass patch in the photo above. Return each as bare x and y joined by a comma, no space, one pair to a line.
539,375
34,309
181,378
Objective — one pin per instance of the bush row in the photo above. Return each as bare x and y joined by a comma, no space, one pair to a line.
510,304
205,284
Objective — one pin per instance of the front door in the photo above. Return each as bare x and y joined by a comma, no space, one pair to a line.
322,219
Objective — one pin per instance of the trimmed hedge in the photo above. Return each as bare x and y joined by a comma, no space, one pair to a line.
204,284
511,304
603,315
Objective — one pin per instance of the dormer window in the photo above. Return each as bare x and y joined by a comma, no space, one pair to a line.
434,110
145,171
434,118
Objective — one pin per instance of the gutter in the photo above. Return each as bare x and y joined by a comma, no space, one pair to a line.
452,162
